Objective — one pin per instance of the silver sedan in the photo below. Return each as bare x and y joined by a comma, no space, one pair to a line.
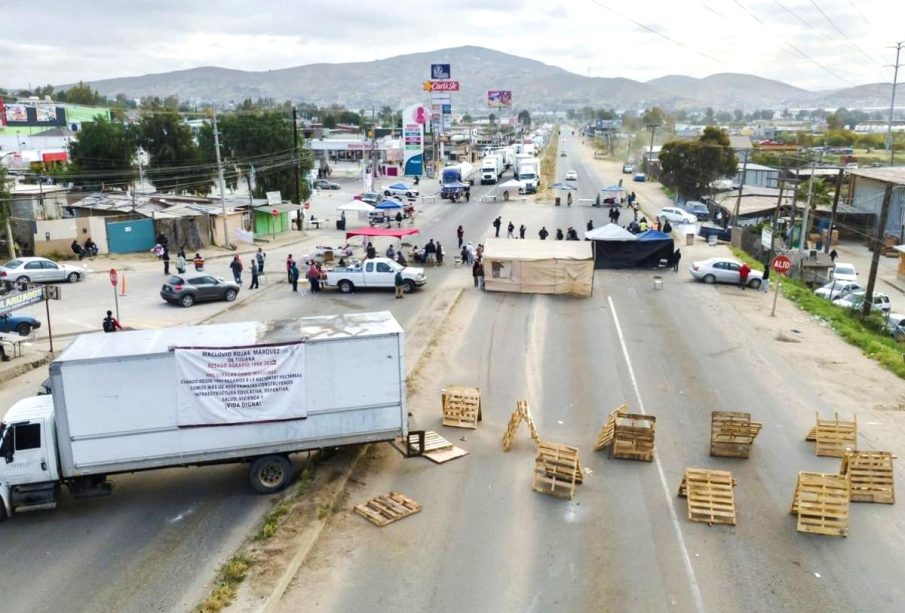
723,270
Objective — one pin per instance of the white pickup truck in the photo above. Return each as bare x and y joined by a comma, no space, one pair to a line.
377,272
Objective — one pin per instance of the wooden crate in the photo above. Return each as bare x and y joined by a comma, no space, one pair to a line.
871,476
383,510
605,437
461,406
557,469
821,502
633,437
732,434
711,499
834,437
522,413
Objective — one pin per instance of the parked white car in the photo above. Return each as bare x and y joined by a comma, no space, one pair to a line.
835,290
879,302
571,176
39,270
722,270
676,215
843,271
401,189
895,326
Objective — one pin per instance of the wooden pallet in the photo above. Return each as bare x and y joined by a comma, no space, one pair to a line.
821,502
711,499
461,406
557,469
606,432
441,456
522,413
812,435
732,434
834,437
871,476
383,510
633,437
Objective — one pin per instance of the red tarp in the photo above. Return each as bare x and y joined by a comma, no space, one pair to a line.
59,156
394,232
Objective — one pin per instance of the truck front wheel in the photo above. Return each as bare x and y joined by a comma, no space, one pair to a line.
408,285
345,286
270,474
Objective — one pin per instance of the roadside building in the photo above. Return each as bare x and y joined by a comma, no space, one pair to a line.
867,190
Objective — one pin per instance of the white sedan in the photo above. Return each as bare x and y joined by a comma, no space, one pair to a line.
401,189
838,289
722,270
855,301
842,271
38,270
571,176
676,215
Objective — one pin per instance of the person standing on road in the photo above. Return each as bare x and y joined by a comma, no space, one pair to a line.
833,256
397,283
675,260
543,234
180,262
110,324
293,274
467,195
460,234
591,224
260,256
616,213
496,226
743,272
198,261
510,230
521,231
439,254
254,274
765,280
289,264
236,267
474,271
559,234
314,277
480,264
399,219
166,261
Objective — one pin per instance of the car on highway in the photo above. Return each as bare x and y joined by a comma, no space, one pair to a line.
324,184
675,215
838,289
698,209
855,301
20,324
895,326
571,176
722,270
188,288
371,198
628,169
843,271
401,189
39,270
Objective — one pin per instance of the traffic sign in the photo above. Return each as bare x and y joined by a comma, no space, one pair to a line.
782,264
113,278
275,212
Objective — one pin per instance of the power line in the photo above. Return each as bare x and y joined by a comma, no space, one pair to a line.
844,35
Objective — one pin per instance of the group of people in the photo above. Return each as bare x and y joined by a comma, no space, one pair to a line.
89,250
314,273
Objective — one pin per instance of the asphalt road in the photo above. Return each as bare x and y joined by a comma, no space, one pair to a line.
485,542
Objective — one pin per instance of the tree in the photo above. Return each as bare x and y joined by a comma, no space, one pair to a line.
524,118
723,117
693,165
176,163
328,120
103,155
81,94
653,117
833,122
739,115
708,116
821,193
385,115
492,119
466,118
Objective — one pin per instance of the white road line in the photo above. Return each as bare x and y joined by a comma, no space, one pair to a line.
686,558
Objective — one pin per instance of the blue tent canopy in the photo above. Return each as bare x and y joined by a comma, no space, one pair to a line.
653,235
389,203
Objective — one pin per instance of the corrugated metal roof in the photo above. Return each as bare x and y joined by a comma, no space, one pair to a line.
889,174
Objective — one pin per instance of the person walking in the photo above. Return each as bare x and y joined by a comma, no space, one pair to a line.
313,276
743,272
543,234
399,219
260,256
765,280
166,261
590,225
293,274
460,234
496,226
236,267
467,195
254,274
833,256
289,264
616,213
110,324
521,231
198,261
675,260
398,284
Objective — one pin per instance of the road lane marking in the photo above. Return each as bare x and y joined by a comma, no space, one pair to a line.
686,559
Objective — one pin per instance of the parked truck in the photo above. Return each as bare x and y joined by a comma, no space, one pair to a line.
252,392
491,169
461,173
374,273
529,174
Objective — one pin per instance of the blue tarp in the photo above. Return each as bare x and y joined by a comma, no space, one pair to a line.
653,235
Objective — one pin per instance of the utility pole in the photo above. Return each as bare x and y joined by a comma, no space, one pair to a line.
829,232
878,244
794,206
221,182
650,153
741,186
890,140
802,243
295,147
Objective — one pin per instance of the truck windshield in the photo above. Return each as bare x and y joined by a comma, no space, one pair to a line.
526,176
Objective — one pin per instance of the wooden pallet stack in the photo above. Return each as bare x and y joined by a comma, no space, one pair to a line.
871,476
605,437
557,469
834,437
821,502
732,434
711,499
521,414
461,406
633,437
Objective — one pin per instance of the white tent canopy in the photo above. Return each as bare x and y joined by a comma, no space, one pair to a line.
609,232
356,205
511,183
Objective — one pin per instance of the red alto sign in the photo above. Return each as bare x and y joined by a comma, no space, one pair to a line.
444,86
782,264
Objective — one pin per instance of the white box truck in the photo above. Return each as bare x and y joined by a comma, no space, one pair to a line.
491,169
250,392
529,174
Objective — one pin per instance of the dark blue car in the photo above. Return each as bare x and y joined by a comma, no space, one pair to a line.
20,324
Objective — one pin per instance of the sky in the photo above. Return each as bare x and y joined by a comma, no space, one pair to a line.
813,44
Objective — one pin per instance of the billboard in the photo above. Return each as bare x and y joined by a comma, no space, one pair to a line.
440,71
499,97
444,86
413,120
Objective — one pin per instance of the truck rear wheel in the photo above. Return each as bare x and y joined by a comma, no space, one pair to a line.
270,474
345,286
